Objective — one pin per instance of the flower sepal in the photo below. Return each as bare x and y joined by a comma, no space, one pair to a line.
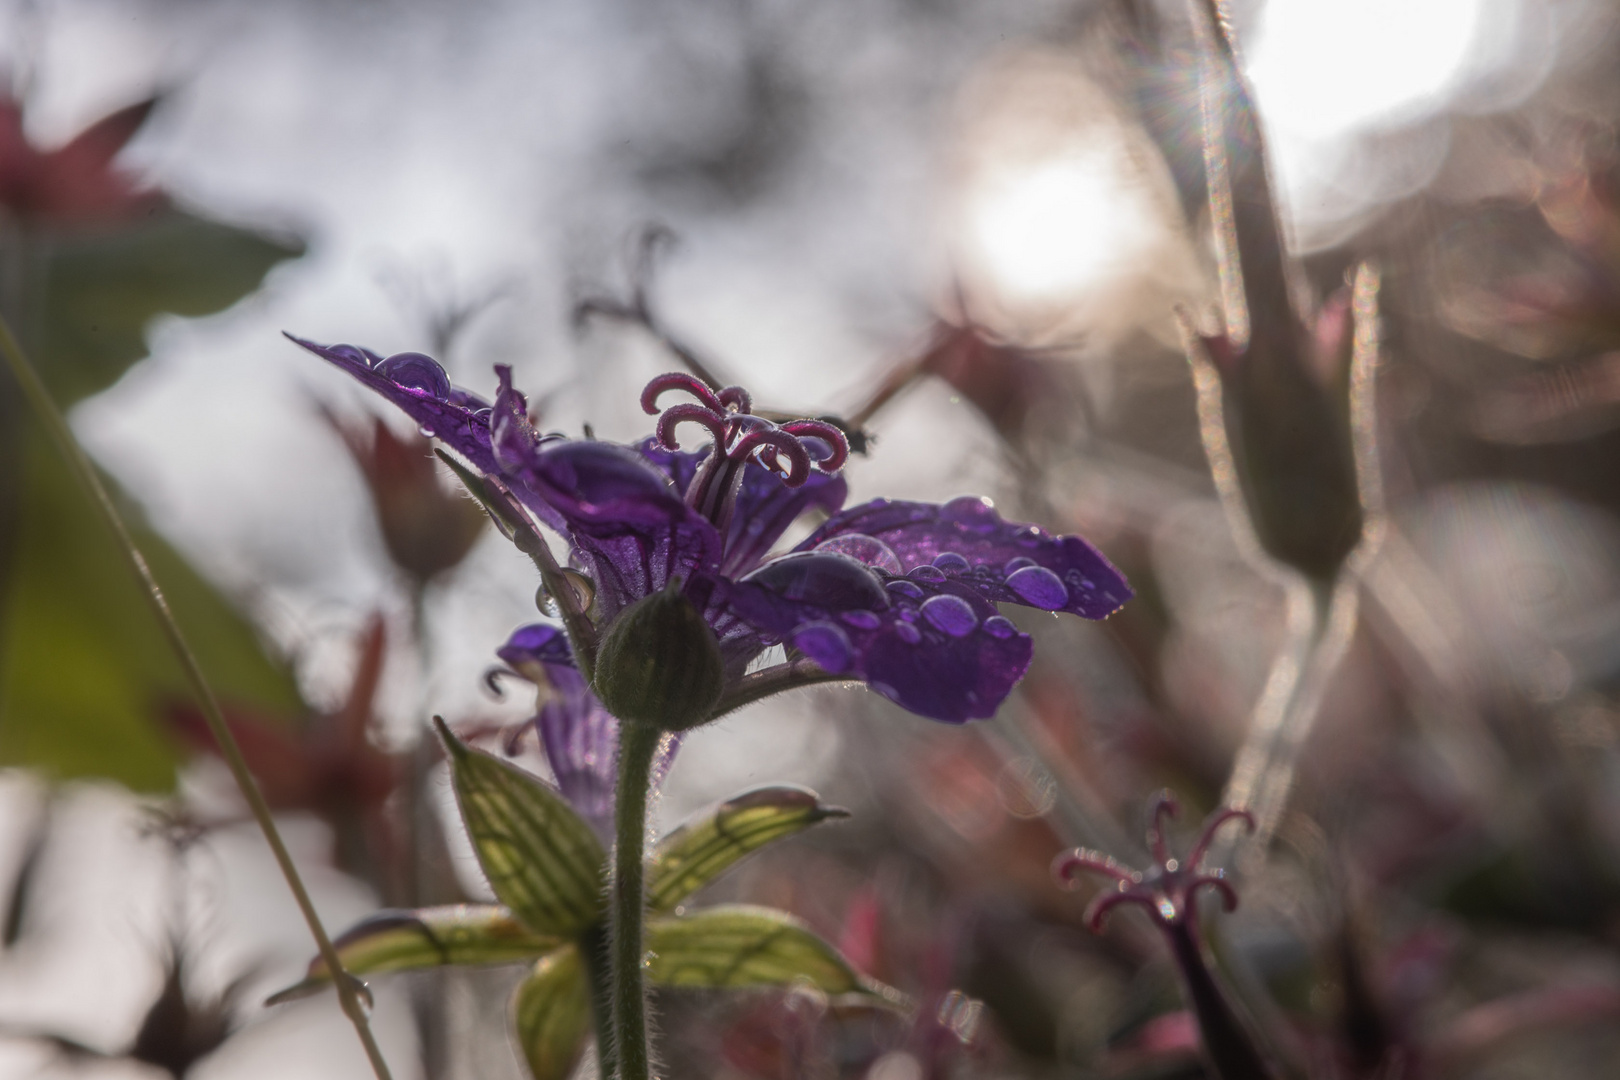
660,664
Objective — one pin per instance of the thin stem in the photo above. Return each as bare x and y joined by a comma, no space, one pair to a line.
771,681
593,950
57,426
1228,1042
1324,620
638,743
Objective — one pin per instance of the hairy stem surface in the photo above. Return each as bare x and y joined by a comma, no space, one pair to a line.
638,743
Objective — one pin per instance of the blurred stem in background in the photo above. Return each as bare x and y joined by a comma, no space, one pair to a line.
56,425
1284,401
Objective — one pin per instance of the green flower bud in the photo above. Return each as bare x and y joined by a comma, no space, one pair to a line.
660,664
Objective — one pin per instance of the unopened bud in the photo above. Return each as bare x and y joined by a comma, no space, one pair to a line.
660,664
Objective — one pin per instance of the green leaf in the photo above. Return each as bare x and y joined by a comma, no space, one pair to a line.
102,288
705,847
396,940
738,945
551,1011
84,668
541,859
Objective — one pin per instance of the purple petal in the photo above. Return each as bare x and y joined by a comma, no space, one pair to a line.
766,507
937,648
419,387
680,466
965,540
630,529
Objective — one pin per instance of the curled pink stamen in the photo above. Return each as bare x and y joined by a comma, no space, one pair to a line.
1165,807
1083,860
1097,911
783,444
828,434
1229,899
679,380
687,413
1207,837
737,398
1167,888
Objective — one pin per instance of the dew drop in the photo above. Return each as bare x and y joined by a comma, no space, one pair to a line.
951,614
826,644
999,626
414,371
1027,537
866,549
974,511
905,588
827,579
1016,564
862,620
907,633
951,562
931,574
351,354
1039,587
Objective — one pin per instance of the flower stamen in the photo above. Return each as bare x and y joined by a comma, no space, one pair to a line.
739,436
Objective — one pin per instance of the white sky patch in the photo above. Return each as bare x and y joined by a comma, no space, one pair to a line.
1326,69
1059,227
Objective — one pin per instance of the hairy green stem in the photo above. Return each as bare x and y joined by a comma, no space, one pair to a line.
594,953
638,743
40,400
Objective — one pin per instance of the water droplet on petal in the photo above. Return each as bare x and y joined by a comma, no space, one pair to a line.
970,510
351,354
905,588
415,371
862,620
824,578
1029,536
951,562
824,643
1039,587
1000,626
1016,564
951,614
866,549
931,574
907,633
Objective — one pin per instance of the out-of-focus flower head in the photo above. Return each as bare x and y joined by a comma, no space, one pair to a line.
325,763
899,595
1282,369
76,184
998,378
426,528
1168,890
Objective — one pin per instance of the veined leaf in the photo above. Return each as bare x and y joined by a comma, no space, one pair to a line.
397,940
541,859
551,1011
738,945
704,848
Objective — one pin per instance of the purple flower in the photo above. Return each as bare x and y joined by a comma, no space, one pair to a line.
898,595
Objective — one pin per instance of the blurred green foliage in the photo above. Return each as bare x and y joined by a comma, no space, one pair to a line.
84,668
